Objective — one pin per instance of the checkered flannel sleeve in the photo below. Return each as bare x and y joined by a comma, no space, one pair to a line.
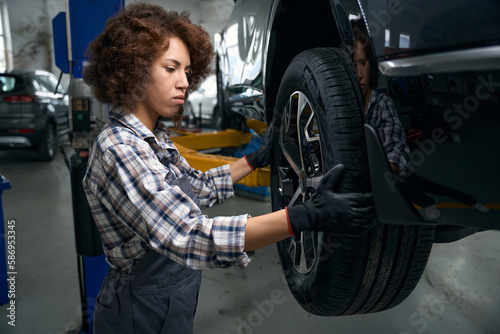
135,189
392,134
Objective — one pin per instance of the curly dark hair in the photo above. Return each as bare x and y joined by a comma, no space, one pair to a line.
120,58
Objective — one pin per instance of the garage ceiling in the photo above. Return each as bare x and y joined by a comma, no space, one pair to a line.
212,14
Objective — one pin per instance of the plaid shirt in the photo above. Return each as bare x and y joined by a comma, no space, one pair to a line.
136,207
382,116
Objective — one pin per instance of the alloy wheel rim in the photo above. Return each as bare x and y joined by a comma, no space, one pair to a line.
300,172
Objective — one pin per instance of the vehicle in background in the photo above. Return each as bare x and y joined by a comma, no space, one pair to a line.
290,62
34,112
203,103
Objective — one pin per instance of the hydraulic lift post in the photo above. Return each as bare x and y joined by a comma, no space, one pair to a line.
73,30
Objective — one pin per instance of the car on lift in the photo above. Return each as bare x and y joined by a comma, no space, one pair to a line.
288,63
202,103
34,112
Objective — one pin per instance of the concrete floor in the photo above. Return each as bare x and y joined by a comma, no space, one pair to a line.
459,292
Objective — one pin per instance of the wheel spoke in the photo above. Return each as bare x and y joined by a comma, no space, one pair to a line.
302,252
311,131
296,195
288,133
302,104
303,267
290,152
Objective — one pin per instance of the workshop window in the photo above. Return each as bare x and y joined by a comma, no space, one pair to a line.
404,41
5,49
387,42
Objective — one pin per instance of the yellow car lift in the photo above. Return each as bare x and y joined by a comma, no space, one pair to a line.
189,144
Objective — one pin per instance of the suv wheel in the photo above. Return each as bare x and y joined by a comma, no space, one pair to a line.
318,110
47,150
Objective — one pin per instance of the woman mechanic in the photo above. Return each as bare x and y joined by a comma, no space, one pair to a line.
145,198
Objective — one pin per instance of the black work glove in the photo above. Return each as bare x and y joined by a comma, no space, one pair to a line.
343,214
260,158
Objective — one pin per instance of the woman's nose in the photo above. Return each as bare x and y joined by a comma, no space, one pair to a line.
359,74
183,81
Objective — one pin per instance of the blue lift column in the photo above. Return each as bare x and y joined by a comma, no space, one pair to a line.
73,30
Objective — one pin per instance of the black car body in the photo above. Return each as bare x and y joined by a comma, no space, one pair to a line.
289,61
33,111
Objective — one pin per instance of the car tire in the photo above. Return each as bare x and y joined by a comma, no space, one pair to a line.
319,124
47,150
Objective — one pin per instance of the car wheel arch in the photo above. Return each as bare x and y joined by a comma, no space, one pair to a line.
277,48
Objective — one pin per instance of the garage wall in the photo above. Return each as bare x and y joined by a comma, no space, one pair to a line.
31,31
31,26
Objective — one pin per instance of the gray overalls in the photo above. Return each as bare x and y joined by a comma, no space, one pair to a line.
157,296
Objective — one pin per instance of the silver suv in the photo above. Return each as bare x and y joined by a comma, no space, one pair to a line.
33,112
